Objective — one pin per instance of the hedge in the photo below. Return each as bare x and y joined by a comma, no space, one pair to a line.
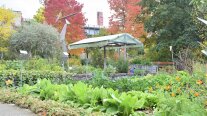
31,77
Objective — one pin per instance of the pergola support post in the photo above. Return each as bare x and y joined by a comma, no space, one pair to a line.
104,57
125,53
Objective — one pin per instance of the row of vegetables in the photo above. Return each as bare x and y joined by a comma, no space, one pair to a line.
99,99
43,108
31,76
113,102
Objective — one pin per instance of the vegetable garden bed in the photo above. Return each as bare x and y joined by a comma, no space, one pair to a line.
174,94
43,108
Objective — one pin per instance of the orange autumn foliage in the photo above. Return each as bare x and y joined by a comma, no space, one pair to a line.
124,18
76,52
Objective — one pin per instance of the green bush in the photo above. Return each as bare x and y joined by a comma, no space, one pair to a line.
38,39
109,70
82,69
140,60
122,66
74,61
9,64
31,64
42,64
97,58
2,67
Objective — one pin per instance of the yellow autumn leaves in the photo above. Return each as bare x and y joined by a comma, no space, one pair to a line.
6,21
39,17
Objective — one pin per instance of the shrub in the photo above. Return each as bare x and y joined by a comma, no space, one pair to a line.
38,39
82,69
42,64
15,65
74,61
97,59
109,70
141,60
122,66
31,64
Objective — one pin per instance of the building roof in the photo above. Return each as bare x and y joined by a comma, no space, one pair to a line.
117,40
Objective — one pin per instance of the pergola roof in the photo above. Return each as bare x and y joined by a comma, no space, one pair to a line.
117,40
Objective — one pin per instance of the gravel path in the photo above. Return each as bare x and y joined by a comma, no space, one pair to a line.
13,110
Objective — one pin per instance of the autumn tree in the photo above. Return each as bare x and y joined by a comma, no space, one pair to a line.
60,8
124,18
39,16
6,20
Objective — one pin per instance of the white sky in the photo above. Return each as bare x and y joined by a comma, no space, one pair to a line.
29,8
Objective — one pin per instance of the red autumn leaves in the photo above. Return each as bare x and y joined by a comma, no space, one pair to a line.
124,18
75,30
